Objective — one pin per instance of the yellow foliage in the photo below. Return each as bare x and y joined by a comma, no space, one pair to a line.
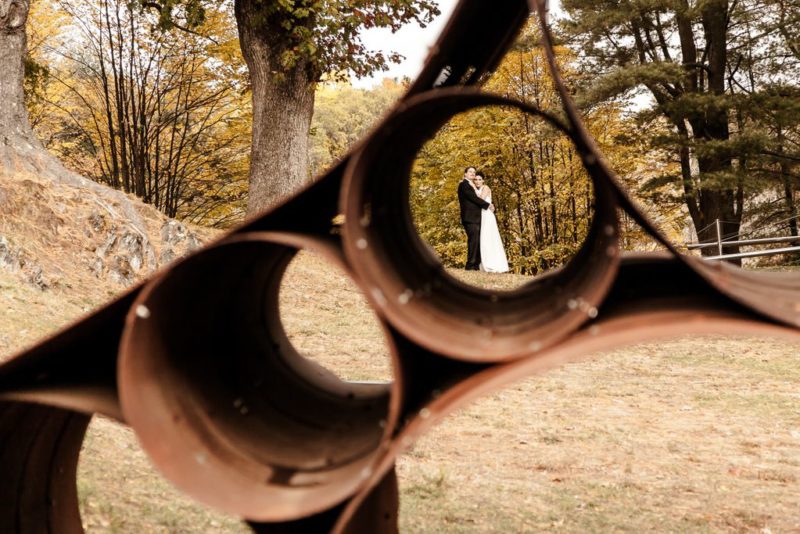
542,193
164,115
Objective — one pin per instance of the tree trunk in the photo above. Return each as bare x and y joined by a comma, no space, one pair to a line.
712,125
521,226
20,149
283,103
15,127
788,183
717,203
791,208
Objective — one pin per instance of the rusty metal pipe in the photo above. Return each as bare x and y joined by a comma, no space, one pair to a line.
39,449
232,414
222,402
408,283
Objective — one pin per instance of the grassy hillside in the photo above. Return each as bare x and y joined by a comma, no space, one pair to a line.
691,435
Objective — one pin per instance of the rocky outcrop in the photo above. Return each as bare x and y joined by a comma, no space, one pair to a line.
123,255
17,260
176,240
56,234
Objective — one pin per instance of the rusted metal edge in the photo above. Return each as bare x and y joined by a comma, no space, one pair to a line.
772,295
233,415
635,311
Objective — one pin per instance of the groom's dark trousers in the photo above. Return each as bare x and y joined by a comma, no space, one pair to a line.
471,206
473,246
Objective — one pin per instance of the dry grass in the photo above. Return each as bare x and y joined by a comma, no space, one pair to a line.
119,491
327,319
27,314
692,435
497,281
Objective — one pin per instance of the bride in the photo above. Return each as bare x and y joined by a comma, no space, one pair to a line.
493,255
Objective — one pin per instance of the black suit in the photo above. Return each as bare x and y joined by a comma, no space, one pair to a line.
471,206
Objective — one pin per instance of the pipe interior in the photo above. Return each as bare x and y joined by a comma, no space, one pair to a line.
240,377
382,179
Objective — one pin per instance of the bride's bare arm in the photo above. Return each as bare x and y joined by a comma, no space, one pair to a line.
488,196
486,193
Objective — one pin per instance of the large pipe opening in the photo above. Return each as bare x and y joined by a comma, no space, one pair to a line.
408,282
224,404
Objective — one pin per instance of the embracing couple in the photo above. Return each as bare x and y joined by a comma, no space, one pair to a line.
485,250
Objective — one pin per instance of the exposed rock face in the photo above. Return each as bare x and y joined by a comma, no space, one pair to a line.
176,240
57,234
9,259
16,260
123,255
57,228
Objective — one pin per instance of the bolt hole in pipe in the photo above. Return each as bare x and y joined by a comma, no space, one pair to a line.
224,403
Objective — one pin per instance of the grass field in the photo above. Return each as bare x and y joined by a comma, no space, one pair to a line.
689,435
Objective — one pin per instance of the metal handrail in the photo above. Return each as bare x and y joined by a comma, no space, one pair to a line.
753,253
758,241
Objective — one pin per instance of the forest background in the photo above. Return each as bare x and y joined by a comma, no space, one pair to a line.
699,116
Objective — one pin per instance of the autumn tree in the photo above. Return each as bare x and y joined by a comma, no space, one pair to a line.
20,149
289,47
543,196
18,138
705,65
157,113
343,114
45,32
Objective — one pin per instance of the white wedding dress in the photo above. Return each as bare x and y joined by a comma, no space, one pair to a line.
493,255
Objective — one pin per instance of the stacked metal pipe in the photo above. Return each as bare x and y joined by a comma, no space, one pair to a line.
197,362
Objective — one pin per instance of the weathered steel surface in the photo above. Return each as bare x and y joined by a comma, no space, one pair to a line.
196,360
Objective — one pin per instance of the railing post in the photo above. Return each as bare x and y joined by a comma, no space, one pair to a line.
719,238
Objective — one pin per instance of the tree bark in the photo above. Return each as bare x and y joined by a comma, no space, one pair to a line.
788,184
791,208
20,149
14,123
283,103
713,126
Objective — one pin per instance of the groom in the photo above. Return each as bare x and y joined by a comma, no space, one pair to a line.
471,206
